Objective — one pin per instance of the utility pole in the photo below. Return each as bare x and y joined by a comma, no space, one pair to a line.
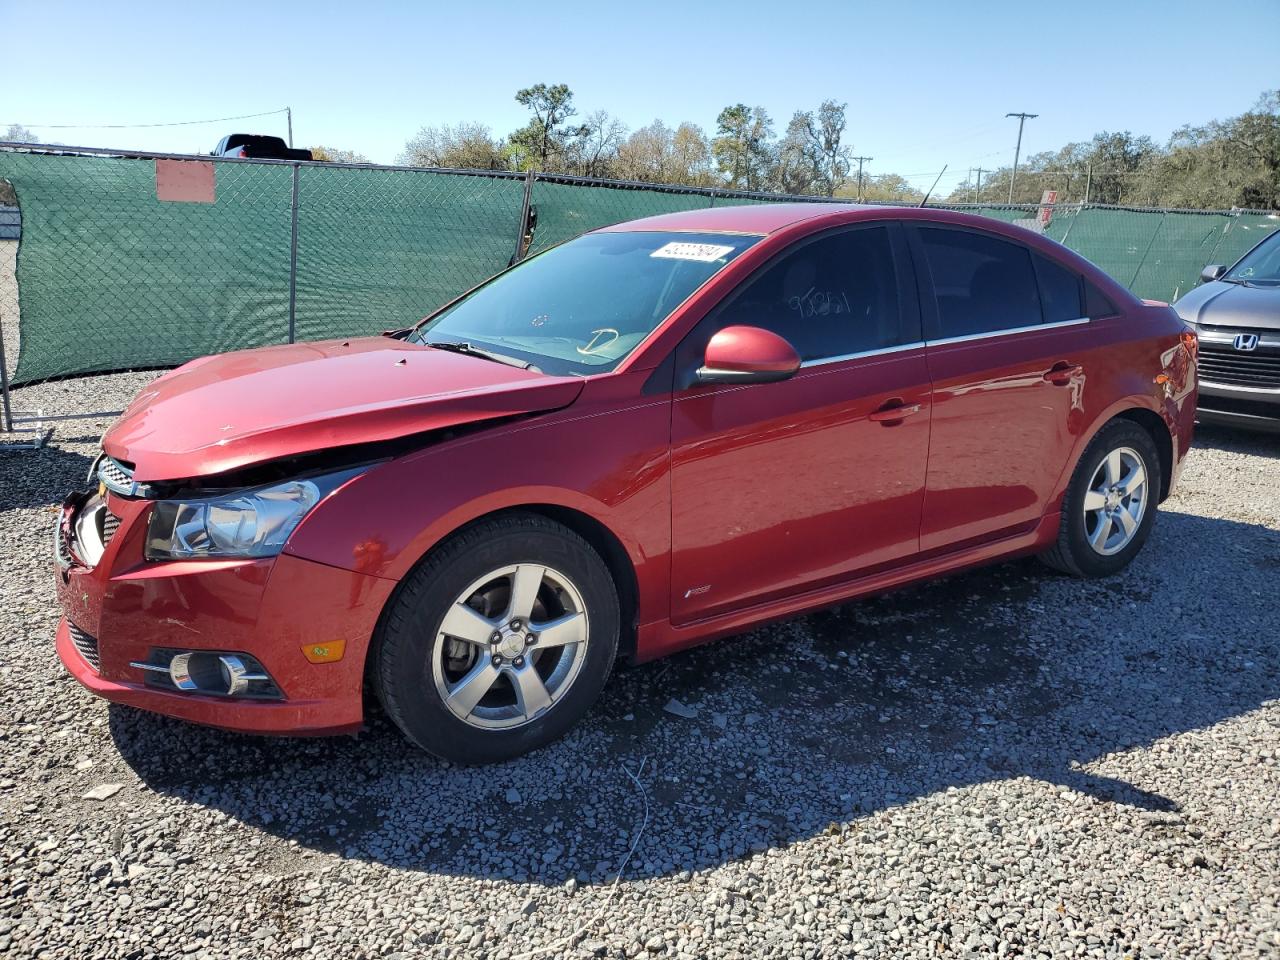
288,113
1022,118
1088,181
860,160
977,194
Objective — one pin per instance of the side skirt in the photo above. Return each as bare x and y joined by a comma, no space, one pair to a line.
661,638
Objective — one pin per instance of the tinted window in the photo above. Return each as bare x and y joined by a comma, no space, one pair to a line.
829,297
1096,303
981,283
1059,291
583,306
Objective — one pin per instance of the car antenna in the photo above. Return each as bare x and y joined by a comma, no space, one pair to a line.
935,183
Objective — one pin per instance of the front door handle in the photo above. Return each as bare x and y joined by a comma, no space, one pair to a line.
1062,373
894,414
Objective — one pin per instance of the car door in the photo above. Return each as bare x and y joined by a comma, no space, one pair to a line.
779,487
1008,351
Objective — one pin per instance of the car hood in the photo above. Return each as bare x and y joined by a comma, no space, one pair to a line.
1231,305
233,410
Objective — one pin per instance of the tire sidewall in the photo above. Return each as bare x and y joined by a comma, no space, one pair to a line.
1111,437
407,686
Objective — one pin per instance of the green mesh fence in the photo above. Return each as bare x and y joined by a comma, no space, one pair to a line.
380,249
110,278
565,210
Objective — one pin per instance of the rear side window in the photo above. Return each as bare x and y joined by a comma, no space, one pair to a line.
982,284
829,297
1059,291
1097,303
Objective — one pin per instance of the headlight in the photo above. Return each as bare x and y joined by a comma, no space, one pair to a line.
243,524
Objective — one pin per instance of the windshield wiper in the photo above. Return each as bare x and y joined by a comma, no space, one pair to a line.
474,351
1240,280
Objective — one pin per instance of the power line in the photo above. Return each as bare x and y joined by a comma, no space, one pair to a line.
139,126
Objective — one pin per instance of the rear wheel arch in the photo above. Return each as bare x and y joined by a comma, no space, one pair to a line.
1154,425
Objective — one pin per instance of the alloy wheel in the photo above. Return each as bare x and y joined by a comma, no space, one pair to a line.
510,646
1115,501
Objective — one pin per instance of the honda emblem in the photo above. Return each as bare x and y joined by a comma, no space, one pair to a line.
1245,341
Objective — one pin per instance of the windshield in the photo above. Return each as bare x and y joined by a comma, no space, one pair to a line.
1261,265
581,307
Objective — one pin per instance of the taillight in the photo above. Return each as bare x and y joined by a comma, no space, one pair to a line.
244,152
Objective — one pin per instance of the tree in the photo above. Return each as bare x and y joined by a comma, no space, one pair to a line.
19,134
797,165
467,146
743,147
886,188
541,144
825,133
596,145
334,155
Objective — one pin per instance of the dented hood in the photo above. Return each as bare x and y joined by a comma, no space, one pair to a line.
233,410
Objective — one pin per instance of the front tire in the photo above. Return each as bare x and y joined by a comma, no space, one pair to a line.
499,641
1110,504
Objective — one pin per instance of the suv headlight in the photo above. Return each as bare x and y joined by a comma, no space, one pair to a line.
240,524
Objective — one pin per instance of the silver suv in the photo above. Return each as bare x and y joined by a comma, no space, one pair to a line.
1236,314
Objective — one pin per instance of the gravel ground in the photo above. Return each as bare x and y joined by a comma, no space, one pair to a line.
1006,763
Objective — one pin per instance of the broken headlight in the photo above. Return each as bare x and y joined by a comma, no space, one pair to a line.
238,524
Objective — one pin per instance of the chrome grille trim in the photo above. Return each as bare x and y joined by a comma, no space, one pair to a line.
86,644
1253,369
116,477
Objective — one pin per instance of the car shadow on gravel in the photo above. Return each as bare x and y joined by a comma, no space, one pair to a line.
29,478
799,728
1215,436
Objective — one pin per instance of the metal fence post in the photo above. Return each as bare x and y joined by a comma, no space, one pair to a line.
1233,214
4,381
293,255
526,208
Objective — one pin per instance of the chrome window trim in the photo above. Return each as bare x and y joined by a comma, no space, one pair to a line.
1011,331
878,352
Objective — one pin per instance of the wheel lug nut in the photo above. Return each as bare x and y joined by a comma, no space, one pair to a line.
515,624
497,661
519,661
528,639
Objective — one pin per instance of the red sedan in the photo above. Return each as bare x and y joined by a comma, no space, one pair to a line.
653,435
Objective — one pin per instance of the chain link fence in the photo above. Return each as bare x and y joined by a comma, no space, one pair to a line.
148,260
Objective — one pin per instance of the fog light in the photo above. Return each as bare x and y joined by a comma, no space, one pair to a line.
209,672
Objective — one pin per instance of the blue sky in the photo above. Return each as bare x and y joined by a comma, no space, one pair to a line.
927,83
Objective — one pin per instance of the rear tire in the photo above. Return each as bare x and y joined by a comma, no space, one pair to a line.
1110,503
466,671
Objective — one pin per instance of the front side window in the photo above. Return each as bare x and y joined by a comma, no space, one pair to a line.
1260,266
982,284
828,297
582,307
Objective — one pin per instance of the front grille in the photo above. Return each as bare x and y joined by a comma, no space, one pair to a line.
110,524
86,644
1222,363
116,475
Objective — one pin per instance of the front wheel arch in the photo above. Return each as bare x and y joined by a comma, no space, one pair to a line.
600,537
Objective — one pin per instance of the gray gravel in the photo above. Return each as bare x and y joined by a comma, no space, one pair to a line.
1007,763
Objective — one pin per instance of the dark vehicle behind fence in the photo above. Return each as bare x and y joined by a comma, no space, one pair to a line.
1236,313
255,146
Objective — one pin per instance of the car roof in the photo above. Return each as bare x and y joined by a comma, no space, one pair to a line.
755,218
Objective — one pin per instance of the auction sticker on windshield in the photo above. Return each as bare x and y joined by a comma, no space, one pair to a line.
702,252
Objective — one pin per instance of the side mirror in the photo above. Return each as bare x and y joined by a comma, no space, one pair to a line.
741,354
1212,272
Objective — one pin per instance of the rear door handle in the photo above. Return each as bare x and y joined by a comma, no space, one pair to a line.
1063,373
895,413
